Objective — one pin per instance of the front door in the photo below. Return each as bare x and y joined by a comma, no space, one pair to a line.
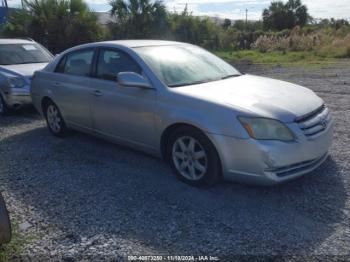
124,113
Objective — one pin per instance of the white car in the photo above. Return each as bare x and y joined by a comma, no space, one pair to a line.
19,59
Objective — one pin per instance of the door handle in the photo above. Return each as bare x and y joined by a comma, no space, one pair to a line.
57,84
97,93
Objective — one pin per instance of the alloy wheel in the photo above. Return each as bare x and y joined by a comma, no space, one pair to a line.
53,118
190,158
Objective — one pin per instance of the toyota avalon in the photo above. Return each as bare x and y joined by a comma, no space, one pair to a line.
184,104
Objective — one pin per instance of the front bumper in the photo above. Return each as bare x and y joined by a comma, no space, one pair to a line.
17,98
271,162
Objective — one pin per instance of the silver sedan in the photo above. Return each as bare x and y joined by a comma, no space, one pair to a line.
182,103
19,58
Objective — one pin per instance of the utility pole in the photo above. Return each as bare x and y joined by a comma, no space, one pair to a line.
246,19
3,11
3,4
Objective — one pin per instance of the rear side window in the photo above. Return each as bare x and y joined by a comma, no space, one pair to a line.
112,62
60,66
77,63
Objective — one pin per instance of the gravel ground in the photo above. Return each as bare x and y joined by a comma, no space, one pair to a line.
81,198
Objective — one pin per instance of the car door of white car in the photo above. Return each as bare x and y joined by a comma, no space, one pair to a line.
122,113
73,92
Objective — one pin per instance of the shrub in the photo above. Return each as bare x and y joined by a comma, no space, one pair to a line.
296,40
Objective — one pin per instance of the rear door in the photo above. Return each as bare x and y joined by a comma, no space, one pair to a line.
72,85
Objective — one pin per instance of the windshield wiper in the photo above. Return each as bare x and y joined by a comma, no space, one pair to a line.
31,62
205,81
230,76
193,83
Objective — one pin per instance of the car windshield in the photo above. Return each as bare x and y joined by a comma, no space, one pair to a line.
13,54
180,65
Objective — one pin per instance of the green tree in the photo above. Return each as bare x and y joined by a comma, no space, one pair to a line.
58,24
226,24
229,39
281,16
138,19
243,25
195,30
297,13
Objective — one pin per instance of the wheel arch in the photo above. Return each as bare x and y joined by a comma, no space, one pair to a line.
169,130
44,103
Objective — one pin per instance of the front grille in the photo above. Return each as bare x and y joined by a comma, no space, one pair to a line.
298,167
314,122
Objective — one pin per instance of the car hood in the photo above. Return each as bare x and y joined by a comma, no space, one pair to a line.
258,96
26,70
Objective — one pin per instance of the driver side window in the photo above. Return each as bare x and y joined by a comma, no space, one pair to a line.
112,62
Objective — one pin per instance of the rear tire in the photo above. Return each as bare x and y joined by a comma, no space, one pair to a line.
4,110
193,157
54,120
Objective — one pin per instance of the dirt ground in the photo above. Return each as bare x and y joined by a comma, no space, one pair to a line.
82,198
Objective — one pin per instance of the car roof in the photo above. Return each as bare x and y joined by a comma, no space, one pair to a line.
140,43
124,43
15,41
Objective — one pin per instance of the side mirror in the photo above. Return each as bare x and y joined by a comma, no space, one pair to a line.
131,79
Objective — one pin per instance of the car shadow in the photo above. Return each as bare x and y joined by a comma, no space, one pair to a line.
19,117
86,187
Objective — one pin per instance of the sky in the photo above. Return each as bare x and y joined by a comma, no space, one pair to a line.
235,9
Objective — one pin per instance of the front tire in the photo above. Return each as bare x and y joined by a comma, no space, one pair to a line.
193,157
54,120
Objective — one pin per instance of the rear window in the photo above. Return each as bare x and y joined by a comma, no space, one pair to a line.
76,63
13,54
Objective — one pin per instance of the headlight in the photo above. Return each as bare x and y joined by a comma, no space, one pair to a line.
16,82
266,129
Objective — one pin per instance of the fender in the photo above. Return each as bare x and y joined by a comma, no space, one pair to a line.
206,121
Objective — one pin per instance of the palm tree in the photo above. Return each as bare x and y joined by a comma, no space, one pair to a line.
280,15
138,18
58,24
